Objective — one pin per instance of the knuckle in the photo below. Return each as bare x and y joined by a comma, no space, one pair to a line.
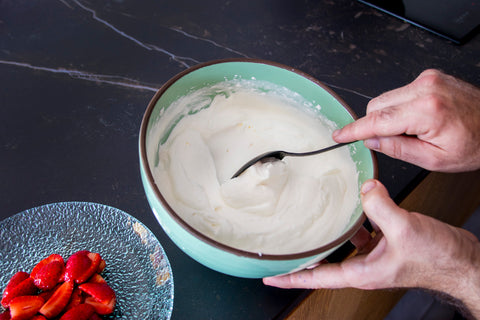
374,103
381,120
396,150
431,71
383,115
430,79
433,103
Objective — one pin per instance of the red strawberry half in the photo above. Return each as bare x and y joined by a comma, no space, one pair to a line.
96,278
12,283
101,296
16,288
81,312
99,307
25,307
58,300
82,265
94,317
100,291
101,266
47,260
5,315
49,275
76,299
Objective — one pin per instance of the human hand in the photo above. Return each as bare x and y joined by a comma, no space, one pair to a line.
433,122
413,251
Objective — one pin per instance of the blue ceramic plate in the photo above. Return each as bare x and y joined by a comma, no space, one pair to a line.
137,267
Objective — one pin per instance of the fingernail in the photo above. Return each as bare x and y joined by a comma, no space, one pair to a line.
372,143
368,186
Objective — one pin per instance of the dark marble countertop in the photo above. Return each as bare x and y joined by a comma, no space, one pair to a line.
76,77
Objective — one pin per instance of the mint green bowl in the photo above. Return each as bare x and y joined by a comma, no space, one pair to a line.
205,250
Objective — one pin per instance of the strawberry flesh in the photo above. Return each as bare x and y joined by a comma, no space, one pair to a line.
14,281
58,300
5,315
49,275
94,317
96,278
101,308
81,266
47,260
58,282
24,288
76,299
101,266
81,312
25,307
100,291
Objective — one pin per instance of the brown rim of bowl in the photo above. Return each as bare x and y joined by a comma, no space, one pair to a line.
144,164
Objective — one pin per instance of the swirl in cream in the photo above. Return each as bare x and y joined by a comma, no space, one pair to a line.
279,207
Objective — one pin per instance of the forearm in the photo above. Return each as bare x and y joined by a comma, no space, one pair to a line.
468,290
462,280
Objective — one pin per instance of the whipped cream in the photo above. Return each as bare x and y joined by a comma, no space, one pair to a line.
279,207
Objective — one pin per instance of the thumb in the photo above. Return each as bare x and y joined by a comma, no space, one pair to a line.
380,208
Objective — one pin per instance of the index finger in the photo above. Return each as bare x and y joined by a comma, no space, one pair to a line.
401,95
386,122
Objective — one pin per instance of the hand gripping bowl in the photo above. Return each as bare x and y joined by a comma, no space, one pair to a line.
208,251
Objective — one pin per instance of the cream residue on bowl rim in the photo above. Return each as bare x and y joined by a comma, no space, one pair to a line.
261,232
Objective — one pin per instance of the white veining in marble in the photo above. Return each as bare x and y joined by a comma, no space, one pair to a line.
348,90
131,83
179,59
209,41
122,81
66,3
76,74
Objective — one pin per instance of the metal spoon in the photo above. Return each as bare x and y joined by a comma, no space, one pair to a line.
279,155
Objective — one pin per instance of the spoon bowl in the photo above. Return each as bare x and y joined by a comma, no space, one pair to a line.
279,155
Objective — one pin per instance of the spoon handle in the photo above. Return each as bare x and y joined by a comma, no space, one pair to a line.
311,153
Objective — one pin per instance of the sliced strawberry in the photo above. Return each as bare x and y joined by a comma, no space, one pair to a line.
96,278
16,279
58,300
49,275
47,260
12,283
81,312
101,266
96,260
5,315
47,294
99,307
94,317
81,266
25,307
24,288
100,291
76,299
38,317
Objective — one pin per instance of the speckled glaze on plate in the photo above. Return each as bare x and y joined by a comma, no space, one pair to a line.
137,267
